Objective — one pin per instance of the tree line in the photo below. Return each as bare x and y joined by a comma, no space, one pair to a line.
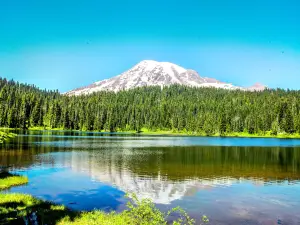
178,108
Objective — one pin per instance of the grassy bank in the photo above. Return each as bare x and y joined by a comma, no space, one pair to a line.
45,128
16,208
4,136
8,180
233,134
145,131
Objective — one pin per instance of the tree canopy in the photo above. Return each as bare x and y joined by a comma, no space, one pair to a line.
178,108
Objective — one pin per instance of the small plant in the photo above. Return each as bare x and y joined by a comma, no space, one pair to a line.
205,219
144,212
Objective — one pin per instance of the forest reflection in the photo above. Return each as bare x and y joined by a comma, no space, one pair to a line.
172,163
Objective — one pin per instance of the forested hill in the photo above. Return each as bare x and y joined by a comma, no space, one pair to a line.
178,108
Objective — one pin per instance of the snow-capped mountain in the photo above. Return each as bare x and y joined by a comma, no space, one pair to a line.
153,73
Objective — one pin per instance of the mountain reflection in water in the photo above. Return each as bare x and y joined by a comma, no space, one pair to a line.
171,174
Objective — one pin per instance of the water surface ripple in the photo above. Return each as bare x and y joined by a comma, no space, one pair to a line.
231,180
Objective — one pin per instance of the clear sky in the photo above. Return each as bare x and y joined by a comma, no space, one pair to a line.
64,44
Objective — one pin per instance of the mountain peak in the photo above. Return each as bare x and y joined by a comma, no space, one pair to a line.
154,73
257,87
152,64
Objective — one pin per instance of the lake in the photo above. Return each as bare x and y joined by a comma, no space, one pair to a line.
231,180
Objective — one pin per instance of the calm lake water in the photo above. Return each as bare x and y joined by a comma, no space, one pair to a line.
231,180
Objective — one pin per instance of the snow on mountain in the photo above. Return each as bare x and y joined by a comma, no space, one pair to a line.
153,73
257,87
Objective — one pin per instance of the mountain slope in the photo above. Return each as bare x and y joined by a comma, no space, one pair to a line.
151,73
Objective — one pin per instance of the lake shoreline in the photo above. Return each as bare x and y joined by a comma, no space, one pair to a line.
195,173
8,180
16,208
240,135
5,136
145,131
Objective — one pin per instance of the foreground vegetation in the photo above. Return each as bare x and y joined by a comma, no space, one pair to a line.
4,136
8,180
16,208
175,109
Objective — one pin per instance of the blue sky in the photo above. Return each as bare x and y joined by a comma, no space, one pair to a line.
66,44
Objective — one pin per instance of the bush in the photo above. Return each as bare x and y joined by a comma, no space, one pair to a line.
16,208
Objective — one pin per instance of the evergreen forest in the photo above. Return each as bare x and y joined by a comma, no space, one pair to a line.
176,108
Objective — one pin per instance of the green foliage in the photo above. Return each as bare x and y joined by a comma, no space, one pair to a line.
206,111
8,180
15,208
4,136
144,212
275,128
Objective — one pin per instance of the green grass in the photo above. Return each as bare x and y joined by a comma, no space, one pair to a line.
5,136
145,131
8,180
15,208
263,135
44,128
233,134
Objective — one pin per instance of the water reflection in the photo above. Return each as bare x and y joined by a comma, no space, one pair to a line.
236,183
